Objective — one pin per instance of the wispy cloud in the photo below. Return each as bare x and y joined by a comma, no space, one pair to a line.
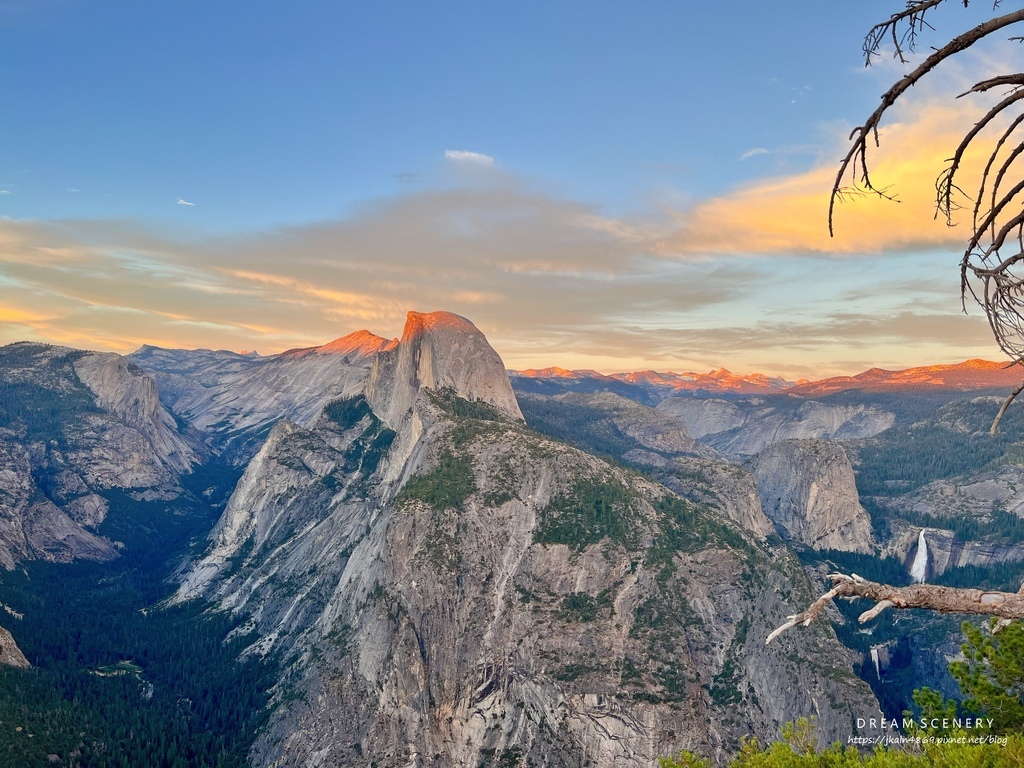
185,202
465,156
73,189
753,153
5,192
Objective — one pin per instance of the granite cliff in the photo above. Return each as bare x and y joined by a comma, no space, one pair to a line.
73,426
807,488
451,588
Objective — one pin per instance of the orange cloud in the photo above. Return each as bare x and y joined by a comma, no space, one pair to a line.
790,215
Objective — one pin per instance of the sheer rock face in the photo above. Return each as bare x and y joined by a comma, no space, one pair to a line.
807,488
124,391
33,527
82,423
10,653
451,601
438,351
236,399
746,427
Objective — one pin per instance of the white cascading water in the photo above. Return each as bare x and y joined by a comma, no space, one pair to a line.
874,658
919,568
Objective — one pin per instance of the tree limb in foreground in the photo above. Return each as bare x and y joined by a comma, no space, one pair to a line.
1005,605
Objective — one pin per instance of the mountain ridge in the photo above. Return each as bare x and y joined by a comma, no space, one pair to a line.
967,375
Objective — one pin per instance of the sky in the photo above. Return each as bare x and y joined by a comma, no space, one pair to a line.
606,185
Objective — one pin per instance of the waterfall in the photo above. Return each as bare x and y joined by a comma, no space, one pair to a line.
874,658
919,569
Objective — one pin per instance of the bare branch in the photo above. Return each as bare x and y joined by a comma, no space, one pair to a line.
993,82
1005,605
913,15
945,184
856,158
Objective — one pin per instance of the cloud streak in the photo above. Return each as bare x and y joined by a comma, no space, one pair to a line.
754,153
465,156
185,202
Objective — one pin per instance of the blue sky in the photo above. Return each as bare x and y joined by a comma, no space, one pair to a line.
229,174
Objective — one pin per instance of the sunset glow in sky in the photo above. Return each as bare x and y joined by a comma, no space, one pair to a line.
605,185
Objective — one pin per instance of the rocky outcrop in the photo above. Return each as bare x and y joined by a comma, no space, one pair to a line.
728,489
976,495
439,351
485,628
704,417
746,427
808,489
10,653
944,505
651,429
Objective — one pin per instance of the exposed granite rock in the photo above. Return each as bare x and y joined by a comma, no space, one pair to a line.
33,527
609,424
438,351
704,416
124,390
945,551
652,429
89,510
10,653
729,489
976,495
807,488
456,632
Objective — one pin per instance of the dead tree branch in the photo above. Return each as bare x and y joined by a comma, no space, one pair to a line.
1005,605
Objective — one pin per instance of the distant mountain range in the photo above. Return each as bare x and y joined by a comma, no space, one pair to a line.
647,386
